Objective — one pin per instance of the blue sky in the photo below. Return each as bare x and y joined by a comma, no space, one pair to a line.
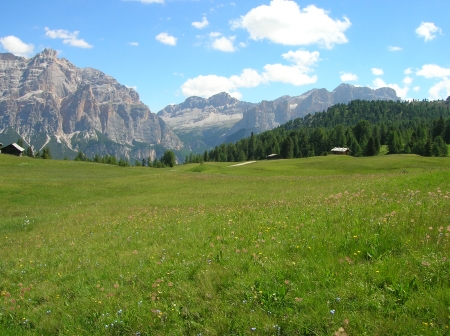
255,50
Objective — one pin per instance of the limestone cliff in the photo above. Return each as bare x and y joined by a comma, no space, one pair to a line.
46,98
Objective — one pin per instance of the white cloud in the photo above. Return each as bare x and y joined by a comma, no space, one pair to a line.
440,90
287,74
295,74
416,88
147,1
428,31
202,24
242,45
283,22
348,77
302,58
166,39
134,87
206,86
377,71
15,46
433,71
69,38
391,48
134,44
214,34
401,92
407,80
224,44
408,71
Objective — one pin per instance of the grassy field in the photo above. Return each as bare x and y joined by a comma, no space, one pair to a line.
319,246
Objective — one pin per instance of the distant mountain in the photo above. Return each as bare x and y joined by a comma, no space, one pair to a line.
204,123
47,101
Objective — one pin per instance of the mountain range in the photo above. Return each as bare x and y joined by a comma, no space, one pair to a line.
204,123
49,102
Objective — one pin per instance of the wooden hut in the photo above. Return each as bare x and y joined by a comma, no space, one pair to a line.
273,157
341,151
13,149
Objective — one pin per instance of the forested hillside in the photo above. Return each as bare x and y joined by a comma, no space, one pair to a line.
416,127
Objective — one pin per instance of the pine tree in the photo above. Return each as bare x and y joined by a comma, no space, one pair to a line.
439,148
46,153
168,158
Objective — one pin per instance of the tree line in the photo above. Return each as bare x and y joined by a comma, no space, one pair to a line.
416,127
167,160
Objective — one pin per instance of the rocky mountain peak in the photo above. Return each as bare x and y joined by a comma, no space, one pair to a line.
220,99
46,96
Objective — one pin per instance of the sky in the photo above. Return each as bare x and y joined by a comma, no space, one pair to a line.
168,50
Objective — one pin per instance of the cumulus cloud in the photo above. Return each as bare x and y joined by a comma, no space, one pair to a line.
15,46
407,80
283,22
134,44
416,88
391,48
295,74
408,71
428,31
224,44
69,38
206,86
402,92
348,77
433,71
166,39
377,71
440,90
287,74
202,24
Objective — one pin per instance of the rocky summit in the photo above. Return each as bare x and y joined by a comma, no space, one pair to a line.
49,102
204,123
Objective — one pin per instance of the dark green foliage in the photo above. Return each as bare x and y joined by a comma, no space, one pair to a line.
46,153
362,126
439,148
29,152
168,158
20,142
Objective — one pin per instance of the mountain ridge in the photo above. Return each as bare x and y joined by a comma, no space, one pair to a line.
46,99
230,119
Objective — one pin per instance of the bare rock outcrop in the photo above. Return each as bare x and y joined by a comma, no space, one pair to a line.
48,97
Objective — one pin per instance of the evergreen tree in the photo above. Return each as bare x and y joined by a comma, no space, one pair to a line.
287,149
29,151
20,142
168,158
394,142
439,148
427,151
46,153
371,149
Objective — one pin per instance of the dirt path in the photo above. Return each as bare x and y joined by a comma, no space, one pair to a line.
241,164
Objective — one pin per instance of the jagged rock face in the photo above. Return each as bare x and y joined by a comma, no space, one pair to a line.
197,112
317,100
46,94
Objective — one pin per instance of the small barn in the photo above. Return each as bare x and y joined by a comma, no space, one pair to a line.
12,149
341,151
273,157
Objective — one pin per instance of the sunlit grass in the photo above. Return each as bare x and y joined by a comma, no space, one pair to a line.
292,247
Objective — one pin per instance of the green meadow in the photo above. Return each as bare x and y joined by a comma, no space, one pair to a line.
319,246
